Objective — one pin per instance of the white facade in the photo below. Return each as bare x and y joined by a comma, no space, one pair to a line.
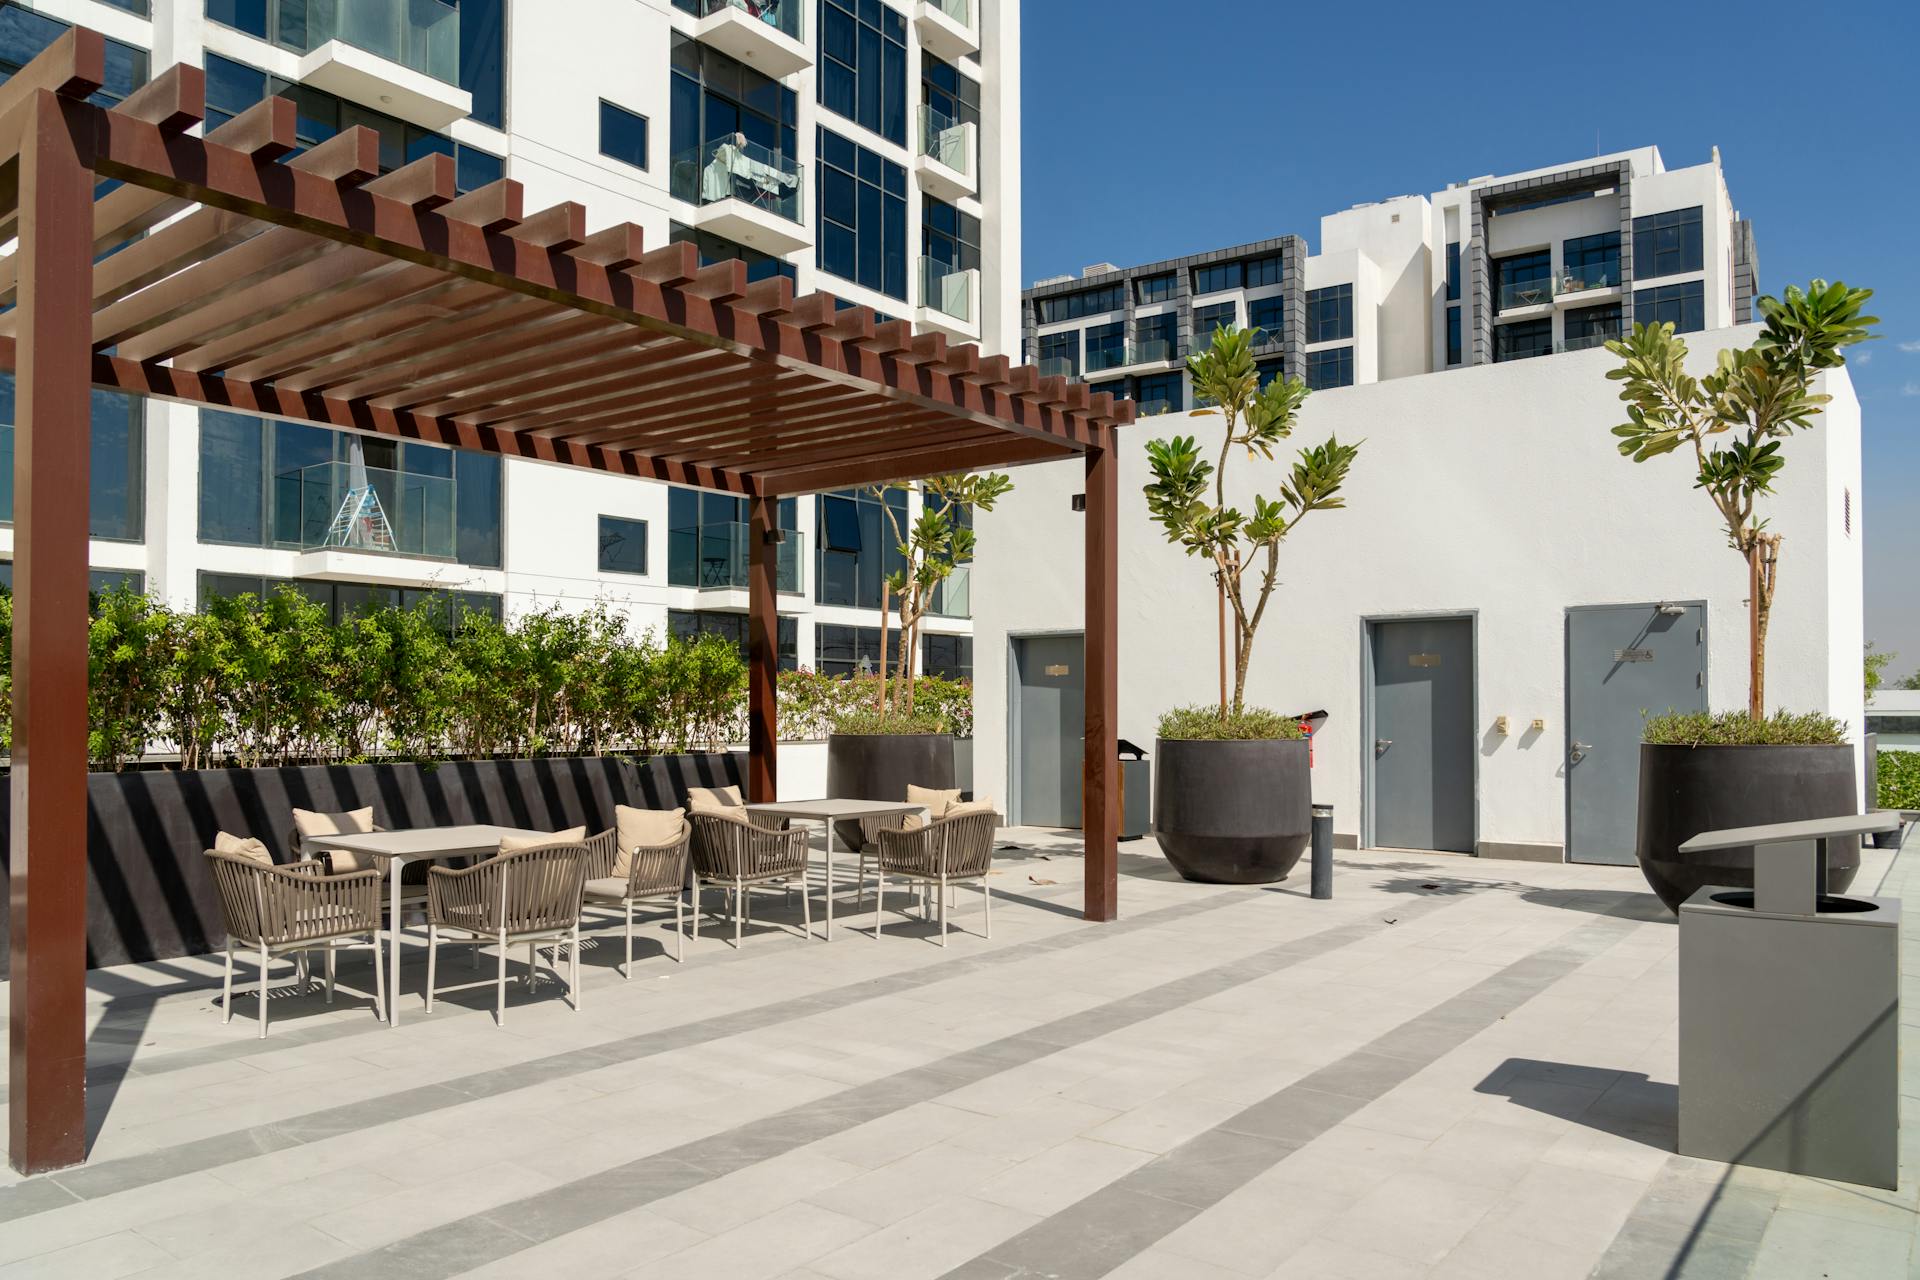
1494,493
562,62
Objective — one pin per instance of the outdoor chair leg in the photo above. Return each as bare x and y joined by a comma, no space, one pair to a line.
500,1013
628,971
879,901
533,965
696,911
986,891
433,958
573,964
226,990
739,903
380,979
943,911
679,931
330,972
263,991
806,912
300,977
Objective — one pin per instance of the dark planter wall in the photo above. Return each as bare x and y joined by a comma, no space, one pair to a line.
149,896
880,766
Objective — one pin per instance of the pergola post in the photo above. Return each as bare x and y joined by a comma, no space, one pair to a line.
763,649
46,1097
1100,781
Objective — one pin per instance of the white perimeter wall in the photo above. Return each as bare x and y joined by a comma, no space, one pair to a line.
1493,490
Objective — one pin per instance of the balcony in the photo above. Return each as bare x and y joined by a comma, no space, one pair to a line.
1518,295
721,554
401,55
945,163
1590,278
949,299
767,35
746,192
1151,351
394,527
1586,342
953,595
1058,367
947,28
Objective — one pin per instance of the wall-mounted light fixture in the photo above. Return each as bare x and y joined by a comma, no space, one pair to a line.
1079,502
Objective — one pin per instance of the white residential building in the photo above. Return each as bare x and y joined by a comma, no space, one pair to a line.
864,148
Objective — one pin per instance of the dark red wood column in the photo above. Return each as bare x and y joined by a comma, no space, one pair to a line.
46,1098
1100,783
763,649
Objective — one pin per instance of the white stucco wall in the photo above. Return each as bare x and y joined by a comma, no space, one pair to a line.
1495,491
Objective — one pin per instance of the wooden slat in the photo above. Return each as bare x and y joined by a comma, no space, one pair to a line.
173,101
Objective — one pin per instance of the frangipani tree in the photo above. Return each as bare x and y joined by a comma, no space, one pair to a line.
1754,399
934,544
1257,419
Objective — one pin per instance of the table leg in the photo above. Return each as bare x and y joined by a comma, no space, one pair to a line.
829,826
393,941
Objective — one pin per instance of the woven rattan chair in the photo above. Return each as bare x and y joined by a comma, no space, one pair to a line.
939,854
736,854
530,895
654,872
413,889
292,910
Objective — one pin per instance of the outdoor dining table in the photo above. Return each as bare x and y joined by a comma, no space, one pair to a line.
826,813
421,844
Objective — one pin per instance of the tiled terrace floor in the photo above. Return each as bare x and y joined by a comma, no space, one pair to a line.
1452,1069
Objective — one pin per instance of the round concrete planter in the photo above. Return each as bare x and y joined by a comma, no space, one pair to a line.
1233,812
880,766
1687,790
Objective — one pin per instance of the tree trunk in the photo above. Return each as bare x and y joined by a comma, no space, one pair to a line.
1763,567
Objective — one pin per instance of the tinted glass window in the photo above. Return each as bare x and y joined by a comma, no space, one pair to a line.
1666,244
623,545
1453,335
1332,367
1269,316
232,478
1218,276
1261,271
1087,302
1681,305
863,216
1106,346
863,65
1453,271
1330,315
1207,319
483,59
1160,393
623,135
1060,354
1523,340
1161,288
116,506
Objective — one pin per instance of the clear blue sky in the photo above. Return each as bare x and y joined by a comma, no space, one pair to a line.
1153,129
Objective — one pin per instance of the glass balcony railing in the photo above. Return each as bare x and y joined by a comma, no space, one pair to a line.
1525,293
953,594
1585,342
1598,275
721,556
961,11
1152,351
947,289
379,511
734,169
945,139
1108,357
1058,367
784,16
421,34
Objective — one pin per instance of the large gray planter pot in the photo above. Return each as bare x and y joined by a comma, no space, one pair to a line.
880,766
1233,812
1687,790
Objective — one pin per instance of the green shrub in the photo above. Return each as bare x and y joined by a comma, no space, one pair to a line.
1737,729
1899,779
1204,724
870,720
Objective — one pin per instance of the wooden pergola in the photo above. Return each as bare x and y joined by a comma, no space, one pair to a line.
228,271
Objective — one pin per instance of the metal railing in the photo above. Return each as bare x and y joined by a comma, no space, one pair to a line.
784,16
961,11
1058,367
732,168
1526,293
1586,342
945,139
421,34
325,505
947,289
722,557
1594,275
953,594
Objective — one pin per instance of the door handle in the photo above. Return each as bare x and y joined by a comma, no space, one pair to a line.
1580,750
1381,744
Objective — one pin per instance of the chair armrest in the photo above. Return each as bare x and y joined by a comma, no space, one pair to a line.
603,850
660,868
464,891
307,867
299,905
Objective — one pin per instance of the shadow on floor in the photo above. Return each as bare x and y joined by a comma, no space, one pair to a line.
1625,1104
1624,904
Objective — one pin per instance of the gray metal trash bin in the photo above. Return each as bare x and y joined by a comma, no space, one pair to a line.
1136,792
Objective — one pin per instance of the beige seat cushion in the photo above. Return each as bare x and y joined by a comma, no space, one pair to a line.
642,829
713,799
242,847
514,844
934,799
310,823
607,889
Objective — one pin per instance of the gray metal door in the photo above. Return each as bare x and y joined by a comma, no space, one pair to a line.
1050,723
1623,662
1423,741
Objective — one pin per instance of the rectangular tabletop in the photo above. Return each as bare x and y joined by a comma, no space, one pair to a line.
423,842
823,810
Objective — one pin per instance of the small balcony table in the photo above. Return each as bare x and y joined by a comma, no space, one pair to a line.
828,812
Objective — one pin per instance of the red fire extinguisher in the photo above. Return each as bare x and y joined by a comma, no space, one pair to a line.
1310,724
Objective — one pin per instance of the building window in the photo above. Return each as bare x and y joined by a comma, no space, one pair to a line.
859,547
232,87
1157,337
1523,339
1159,393
1330,314
1523,280
1217,276
1453,335
715,248
1332,367
707,540
1590,262
1666,244
24,35
849,651
863,216
271,483
950,657
1116,388
1681,305
1453,272
143,9
1269,315
863,65
713,98
1592,326
949,238
623,135
1270,371
623,545
116,474
1160,288
1106,346
1087,302
1262,271
1207,319
483,59
691,624
343,600
1060,354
